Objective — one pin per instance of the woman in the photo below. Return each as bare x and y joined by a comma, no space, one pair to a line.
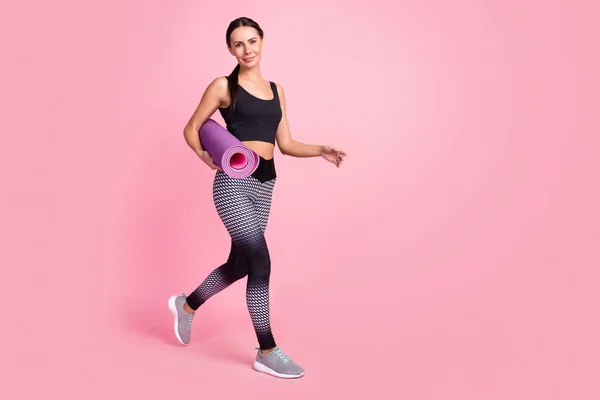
254,111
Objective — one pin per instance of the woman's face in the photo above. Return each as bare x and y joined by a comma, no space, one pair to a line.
246,46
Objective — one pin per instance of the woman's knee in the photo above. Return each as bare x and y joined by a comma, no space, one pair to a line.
253,249
259,264
236,268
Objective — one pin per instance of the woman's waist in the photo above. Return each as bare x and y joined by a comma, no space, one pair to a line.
264,149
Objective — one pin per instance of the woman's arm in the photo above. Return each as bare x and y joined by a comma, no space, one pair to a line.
212,99
290,147
287,145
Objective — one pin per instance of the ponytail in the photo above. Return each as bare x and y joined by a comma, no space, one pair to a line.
233,86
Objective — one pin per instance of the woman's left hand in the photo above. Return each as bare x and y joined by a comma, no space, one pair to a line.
333,155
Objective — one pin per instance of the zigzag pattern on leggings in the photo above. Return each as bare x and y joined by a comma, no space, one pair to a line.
243,206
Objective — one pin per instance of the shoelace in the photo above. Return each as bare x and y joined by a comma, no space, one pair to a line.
190,321
278,353
191,317
281,355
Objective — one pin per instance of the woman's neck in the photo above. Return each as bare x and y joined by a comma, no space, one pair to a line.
252,75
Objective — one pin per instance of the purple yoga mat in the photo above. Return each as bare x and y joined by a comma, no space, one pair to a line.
235,158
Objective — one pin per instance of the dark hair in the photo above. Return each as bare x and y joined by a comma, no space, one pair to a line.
233,77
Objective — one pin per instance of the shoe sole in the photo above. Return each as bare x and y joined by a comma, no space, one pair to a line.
266,370
173,309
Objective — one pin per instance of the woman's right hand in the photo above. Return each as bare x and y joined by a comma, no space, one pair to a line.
204,156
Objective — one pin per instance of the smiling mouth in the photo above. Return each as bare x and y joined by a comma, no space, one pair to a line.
248,59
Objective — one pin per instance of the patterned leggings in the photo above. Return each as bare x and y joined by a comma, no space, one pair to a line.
243,206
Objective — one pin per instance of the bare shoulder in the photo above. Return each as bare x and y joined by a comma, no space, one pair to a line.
217,91
280,92
219,85
279,88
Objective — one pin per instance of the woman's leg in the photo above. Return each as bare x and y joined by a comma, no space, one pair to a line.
263,203
220,278
183,308
259,272
273,362
236,202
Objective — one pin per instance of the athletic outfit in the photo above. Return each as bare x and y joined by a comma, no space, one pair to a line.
243,206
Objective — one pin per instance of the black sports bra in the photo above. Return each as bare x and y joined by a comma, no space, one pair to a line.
253,118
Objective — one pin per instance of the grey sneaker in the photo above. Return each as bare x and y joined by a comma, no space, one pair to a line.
276,363
183,320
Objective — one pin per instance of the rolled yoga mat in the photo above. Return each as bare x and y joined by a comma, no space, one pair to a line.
235,158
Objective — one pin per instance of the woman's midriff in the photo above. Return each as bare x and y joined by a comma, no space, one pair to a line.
263,149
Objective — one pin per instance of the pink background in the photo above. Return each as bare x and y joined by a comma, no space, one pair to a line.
453,256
